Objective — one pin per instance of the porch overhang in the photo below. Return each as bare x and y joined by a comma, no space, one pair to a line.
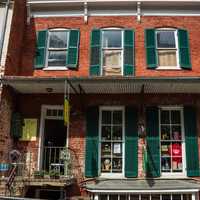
145,186
104,85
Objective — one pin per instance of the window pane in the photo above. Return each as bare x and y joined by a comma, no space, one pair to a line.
165,132
117,149
112,39
155,197
106,117
176,132
176,197
58,39
57,58
103,197
166,197
166,164
145,197
112,60
106,133
117,133
117,165
166,39
106,149
106,165
113,197
117,117
187,197
176,117
134,197
165,117
167,58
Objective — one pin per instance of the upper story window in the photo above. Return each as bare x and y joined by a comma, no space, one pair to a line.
112,52
167,49
57,49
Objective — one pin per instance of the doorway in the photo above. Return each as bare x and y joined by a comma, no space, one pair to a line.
53,139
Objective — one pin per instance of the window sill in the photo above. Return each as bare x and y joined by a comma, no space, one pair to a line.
168,68
173,176
55,69
112,176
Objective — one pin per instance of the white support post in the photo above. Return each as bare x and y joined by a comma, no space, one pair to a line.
85,12
28,7
139,11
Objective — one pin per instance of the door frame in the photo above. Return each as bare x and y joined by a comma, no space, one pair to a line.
42,127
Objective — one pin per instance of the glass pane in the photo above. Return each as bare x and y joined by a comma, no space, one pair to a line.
187,197
176,132
117,149
176,149
106,133
166,39
155,197
176,196
117,117
145,197
112,39
166,164
124,197
166,197
106,149
117,165
176,118
117,133
112,60
57,58
134,197
165,149
106,165
113,197
165,133
58,39
106,117
167,58
165,117
103,197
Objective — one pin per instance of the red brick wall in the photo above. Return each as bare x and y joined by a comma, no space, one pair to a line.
189,23
30,107
13,61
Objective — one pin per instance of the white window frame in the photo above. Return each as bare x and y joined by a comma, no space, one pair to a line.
112,108
177,67
47,68
174,174
120,49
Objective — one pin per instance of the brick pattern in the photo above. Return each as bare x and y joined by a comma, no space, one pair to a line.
25,68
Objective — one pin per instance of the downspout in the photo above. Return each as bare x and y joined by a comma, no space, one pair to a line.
4,28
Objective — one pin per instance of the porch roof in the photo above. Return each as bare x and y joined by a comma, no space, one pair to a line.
144,186
103,85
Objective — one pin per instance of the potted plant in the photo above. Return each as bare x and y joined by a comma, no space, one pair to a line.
39,174
54,174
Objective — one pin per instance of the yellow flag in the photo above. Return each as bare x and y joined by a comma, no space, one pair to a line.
66,112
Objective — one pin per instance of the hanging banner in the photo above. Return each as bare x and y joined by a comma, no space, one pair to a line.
66,111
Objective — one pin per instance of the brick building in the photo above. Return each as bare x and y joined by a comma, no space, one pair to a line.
130,71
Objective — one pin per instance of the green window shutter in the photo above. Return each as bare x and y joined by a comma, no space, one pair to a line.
41,49
95,52
16,125
129,52
191,141
150,45
184,50
131,142
92,142
153,142
73,49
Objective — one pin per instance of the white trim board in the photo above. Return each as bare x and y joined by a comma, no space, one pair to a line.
179,191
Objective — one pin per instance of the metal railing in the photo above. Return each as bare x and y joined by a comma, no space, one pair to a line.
56,162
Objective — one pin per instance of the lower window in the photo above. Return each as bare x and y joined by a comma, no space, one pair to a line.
111,140
144,197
